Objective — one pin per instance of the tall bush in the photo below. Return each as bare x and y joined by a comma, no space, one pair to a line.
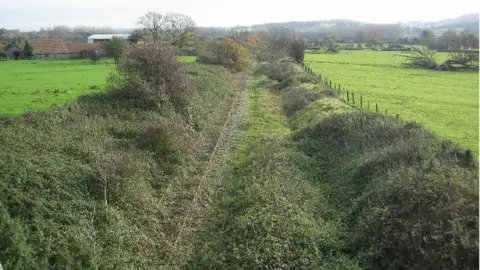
153,75
228,53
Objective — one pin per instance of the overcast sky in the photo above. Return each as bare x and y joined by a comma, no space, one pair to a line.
33,14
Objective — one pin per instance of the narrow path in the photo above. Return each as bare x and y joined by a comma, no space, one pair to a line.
192,216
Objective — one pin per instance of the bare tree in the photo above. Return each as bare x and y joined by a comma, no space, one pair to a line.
153,24
181,27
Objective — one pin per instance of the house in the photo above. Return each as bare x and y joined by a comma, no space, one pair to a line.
99,38
82,50
49,48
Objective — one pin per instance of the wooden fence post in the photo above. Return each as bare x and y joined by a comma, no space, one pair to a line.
386,112
330,84
376,107
353,98
361,102
348,97
397,117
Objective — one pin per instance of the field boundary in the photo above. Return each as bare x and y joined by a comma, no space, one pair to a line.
347,96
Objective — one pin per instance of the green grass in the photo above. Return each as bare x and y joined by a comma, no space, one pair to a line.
39,84
445,102
27,85
188,59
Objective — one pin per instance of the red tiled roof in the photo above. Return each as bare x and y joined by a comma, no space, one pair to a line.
48,46
76,48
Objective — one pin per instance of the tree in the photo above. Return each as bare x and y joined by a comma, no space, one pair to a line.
297,50
427,38
239,33
153,24
3,33
180,27
28,50
449,40
465,58
94,55
137,34
330,44
469,40
16,45
422,57
114,48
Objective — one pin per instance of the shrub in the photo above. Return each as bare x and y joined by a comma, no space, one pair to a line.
298,78
418,220
409,200
278,69
153,75
294,99
227,53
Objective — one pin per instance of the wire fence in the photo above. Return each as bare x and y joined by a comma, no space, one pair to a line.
347,96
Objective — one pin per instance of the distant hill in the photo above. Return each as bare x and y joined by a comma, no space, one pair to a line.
307,24
463,22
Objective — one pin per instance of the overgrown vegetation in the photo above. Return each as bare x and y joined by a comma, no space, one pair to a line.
228,53
370,192
101,181
408,199
107,180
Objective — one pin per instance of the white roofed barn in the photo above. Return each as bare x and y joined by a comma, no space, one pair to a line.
98,38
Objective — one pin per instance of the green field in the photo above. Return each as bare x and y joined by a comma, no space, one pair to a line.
26,85
445,102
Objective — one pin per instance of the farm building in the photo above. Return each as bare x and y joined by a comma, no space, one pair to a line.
98,38
82,50
49,48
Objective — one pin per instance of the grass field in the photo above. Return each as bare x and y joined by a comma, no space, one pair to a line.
26,85
445,102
